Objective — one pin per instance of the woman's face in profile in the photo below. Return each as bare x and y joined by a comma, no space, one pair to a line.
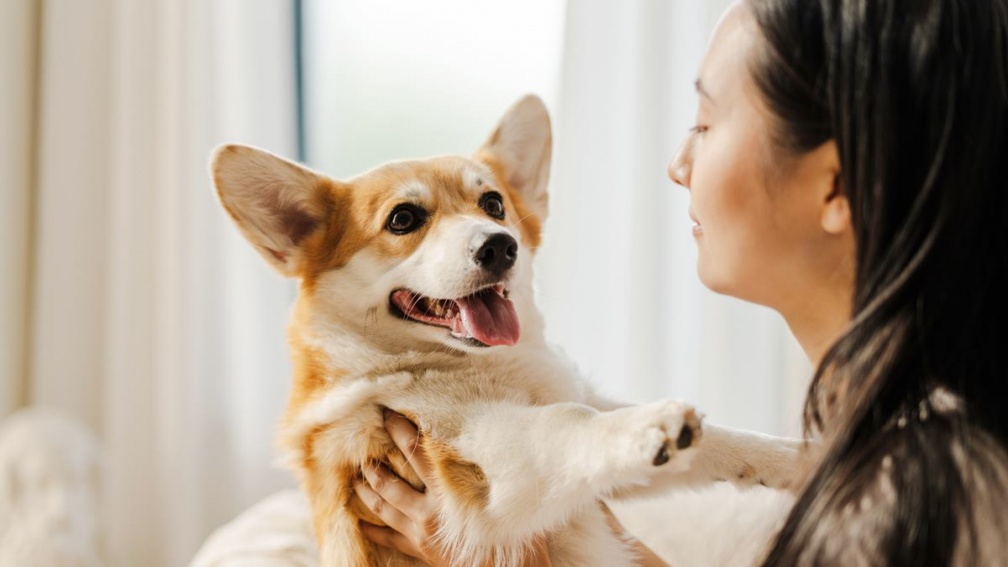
757,214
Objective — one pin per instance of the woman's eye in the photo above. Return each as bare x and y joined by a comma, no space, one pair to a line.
493,204
698,129
405,219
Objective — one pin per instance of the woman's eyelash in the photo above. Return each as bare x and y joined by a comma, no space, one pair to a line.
698,129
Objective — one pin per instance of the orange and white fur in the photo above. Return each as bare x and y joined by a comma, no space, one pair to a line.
415,294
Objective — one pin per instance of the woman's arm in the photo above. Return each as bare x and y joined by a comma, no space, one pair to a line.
411,515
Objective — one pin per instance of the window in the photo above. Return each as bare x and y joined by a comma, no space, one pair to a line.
387,80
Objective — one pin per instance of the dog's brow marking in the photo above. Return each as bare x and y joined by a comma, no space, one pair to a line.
413,194
474,176
413,190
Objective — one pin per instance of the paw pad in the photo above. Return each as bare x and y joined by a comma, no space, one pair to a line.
685,438
662,457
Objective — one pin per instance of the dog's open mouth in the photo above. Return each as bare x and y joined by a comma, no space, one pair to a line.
487,316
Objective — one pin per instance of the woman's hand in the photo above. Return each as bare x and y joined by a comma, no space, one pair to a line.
411,516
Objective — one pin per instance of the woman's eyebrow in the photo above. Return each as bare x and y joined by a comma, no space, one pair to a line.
702,91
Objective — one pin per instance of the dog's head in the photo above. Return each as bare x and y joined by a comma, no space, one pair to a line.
416,254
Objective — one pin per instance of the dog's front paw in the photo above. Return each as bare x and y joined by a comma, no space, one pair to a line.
653,435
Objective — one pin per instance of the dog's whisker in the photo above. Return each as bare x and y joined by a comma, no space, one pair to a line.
415,301
370,319
515,223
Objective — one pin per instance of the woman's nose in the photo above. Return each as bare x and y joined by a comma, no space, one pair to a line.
680,167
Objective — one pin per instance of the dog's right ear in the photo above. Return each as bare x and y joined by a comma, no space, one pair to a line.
522,146
276,203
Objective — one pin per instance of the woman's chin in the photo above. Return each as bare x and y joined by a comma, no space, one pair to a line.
711,278
720,281
721,284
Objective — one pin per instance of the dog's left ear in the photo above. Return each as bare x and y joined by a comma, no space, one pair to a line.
521,147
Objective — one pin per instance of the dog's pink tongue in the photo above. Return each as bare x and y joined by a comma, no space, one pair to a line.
490,318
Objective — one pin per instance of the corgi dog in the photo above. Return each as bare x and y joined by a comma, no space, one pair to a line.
416,295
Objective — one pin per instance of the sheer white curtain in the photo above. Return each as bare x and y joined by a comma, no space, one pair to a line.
128,300
17,75
617,273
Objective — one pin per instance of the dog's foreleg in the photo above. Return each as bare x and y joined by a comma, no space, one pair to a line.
541,464
743,458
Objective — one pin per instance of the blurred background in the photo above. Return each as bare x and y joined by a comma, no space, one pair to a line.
128,300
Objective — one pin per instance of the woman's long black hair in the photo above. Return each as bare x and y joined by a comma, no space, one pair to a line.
912,400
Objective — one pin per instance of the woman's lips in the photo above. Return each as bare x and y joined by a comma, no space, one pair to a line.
697,229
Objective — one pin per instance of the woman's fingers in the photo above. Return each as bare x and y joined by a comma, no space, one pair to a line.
405,435
397,492
408,513
387,511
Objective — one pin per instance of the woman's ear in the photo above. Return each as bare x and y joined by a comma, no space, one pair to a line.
834,208
836,215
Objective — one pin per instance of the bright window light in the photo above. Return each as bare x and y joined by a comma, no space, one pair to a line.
390,79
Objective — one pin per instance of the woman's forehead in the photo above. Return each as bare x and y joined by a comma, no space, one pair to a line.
724,70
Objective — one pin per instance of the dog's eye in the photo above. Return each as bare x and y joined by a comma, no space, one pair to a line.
405,219
493,204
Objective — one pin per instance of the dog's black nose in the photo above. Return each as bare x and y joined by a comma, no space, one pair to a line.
498,254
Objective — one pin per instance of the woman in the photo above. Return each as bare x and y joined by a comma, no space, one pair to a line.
848,169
